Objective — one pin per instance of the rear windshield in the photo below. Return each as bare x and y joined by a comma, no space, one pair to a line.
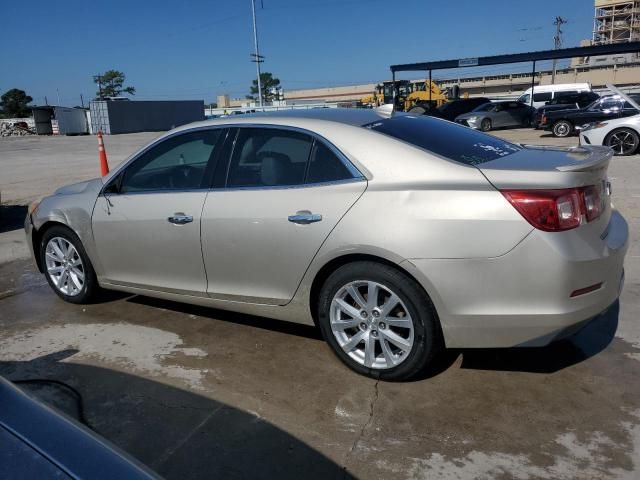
447,139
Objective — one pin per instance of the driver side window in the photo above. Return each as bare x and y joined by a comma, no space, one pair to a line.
178,163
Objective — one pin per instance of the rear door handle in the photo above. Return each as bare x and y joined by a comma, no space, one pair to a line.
180,218
305,217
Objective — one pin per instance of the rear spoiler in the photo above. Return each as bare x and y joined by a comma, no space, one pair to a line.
588,158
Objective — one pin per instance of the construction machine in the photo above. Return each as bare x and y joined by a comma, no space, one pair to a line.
384,94
424,93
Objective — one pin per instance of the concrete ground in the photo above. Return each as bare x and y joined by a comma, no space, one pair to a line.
199,393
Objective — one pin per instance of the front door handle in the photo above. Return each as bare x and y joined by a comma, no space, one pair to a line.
305,217
180,218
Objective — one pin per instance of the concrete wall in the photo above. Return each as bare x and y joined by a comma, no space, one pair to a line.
144,116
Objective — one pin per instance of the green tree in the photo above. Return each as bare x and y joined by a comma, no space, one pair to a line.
14,103
268,84
111,84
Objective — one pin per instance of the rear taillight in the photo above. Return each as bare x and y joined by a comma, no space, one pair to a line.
592,202
556,210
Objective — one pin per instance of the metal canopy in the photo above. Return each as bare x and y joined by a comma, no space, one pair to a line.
591,51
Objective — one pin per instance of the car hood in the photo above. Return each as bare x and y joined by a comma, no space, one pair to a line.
94,183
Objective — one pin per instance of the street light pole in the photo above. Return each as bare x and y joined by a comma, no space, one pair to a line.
257,57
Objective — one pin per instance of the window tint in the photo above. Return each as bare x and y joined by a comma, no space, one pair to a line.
266,157
325,166
541,97
567,93
177,163
452,141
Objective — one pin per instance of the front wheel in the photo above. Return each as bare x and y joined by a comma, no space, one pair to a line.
378,321
623,141
485,125
67,267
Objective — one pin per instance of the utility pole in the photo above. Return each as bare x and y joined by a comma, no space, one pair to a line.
257,58
557,43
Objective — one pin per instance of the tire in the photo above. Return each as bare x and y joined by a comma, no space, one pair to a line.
485,125
80,285
562,128
399,351
623,141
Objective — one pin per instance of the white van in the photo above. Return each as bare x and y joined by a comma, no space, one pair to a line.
544,93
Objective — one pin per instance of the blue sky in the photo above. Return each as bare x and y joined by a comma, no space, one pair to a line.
197,49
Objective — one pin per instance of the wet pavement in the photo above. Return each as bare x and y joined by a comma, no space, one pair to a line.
199,393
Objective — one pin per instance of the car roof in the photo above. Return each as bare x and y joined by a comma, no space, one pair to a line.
348,116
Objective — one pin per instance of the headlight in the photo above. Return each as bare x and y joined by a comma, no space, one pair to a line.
591,126
472,119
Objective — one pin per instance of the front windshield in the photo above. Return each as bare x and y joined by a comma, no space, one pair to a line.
485,107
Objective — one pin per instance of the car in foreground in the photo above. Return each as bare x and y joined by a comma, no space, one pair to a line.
396,236
565,101
563,123
498,115
37,442
450,110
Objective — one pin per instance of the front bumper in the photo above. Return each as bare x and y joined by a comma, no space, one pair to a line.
29,230
523,298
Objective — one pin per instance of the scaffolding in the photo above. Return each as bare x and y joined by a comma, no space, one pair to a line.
616,21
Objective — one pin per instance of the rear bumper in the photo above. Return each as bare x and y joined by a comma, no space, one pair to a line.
523,298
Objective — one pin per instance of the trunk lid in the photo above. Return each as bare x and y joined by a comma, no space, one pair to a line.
549,167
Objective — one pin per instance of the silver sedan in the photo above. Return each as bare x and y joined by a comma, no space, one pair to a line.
489,116
396,236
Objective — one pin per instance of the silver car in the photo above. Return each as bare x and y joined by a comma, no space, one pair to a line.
395,236
498,114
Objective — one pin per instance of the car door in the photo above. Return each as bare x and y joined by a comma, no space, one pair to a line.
146,223
501,116
284,192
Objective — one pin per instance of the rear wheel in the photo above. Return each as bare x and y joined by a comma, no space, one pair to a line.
67,267
485,125
623,141
378,321
562,128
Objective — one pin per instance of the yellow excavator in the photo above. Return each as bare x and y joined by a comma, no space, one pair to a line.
408,94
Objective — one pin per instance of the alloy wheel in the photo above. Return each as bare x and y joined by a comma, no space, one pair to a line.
623,142
371,324
64,266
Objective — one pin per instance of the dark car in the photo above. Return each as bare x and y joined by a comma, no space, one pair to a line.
565,101
37,442
450,110
563,123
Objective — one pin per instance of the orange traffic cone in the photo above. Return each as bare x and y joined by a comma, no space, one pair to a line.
102,155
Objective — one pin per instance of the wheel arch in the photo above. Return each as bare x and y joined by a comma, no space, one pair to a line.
36,239
624,127
332,265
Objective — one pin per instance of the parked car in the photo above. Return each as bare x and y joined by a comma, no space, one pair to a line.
396,236
545,93
450,110
39,443
496,115
622,135
563,123
564,101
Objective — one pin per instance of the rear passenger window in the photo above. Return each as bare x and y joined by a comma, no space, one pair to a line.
542,97
325,166
267,157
